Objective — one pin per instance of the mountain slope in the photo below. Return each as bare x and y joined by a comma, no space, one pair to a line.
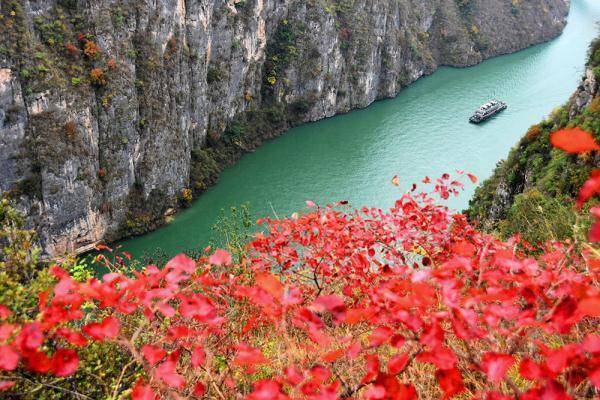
532,191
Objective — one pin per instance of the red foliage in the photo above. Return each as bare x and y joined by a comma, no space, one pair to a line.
336,304
573,140
72,49
589,189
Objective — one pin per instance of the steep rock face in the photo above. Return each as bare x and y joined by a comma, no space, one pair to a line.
115,111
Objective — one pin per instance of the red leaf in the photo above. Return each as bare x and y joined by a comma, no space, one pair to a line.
559,359
9,358
6,330
266,390
142,391
554,391
4,312
591,343
472,177
380,336
531,370
372,364
331,303
590,306
397,363
220,257
500,396
5,385
450,381
38,362
442,357
74,338
333,355
153,354
388,387
269,283
573,140
107,329
198,357
590,188
166,309
166,372
464,248
199,389
182,263
64,362
249,356
496,365
594,377
30,337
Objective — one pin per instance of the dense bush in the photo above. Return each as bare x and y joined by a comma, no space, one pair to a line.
539,218
332,303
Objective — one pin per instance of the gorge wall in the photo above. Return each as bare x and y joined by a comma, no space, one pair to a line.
115,112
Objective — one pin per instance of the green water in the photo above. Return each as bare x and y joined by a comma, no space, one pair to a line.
424,131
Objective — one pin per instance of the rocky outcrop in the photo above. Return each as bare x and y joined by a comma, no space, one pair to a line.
113,111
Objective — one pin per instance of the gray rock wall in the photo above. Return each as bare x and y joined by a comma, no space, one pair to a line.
109,109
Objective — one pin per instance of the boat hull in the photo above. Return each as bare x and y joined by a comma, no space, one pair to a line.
479,119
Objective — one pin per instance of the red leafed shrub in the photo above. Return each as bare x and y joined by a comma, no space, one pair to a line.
337,303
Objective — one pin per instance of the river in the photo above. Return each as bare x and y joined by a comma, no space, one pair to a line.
423,131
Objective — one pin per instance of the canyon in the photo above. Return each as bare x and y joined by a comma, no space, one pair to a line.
115,113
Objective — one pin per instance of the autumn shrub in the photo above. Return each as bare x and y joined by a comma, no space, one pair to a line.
98,77
330,303
91,49
72,50
23,281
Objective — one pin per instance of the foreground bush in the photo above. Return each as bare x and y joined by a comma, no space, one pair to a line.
334,303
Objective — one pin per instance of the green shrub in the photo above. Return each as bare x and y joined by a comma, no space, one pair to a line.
233,230
235,130
539,218
213,75
204,169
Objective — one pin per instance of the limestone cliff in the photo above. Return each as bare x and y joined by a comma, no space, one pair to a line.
112,112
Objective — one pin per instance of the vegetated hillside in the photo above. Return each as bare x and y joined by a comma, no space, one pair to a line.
115,112
532,192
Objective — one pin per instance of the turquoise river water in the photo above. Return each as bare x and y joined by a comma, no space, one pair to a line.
423,131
